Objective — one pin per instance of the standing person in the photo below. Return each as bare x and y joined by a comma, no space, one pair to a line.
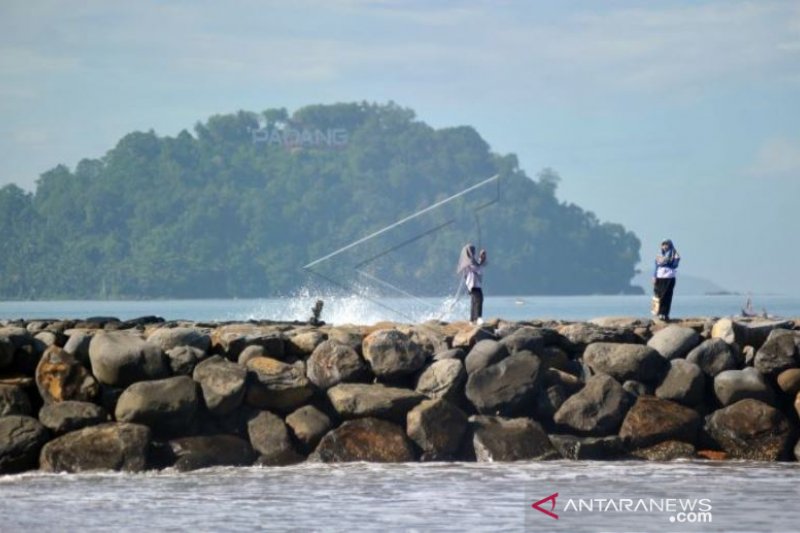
470,268
664,277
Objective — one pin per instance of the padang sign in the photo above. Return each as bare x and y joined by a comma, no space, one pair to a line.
288,135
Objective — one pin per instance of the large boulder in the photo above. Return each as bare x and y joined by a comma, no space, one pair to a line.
392,354
21,438
26,349
751,429
780,352
63,417
14,401
714,356
183,359
359,400
229,340
110,446
526,338
443,379
597,409
496,439
747,333
469,336
78,343
485,353
668,450
332,363
789,382
277,386
580,335
365,439
506,388
120,358
674,341
684,383
734,385
60,376
269,436
437,427
588,448
205,451
6,352
652,420
309,425
303,343
626,361
222,383
168,406
169,338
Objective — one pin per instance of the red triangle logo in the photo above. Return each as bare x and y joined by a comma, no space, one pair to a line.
552,500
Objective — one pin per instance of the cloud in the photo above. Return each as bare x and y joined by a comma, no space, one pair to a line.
777,158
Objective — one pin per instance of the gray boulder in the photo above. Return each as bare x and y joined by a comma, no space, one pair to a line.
78,345
453,353
714,356
21,438
780,352
468,337
506,388
231,339
674,341
526,338
169,338
392,354
549,400
365,439
582,334
14,401
277,386
750,429
598,409
269,436
251,352
167,406
111,446
183,359
485,353
496,439
637,388
303,343
332,363
588,448
443,379
6,352
358,400
626,361
64,417
437,427
743,333
734,385
684,383
205,451
120,359
668,450
309,425
222,383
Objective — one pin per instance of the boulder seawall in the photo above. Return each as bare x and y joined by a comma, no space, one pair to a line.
101,393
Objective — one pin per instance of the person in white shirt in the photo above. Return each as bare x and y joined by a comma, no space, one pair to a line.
664,274
470,268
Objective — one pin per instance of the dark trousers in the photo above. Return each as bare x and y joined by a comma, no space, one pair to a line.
477,304
664,289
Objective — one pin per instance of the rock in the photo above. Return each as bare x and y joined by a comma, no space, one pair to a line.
684,383
588,448
554,357
622,322
309,425
549,400
60,376
581,335
470,336
789,382
780,352
14,401
734,385
303,343
498,439
626,361
332,363
67,416
222,383
26,350
169,338
350,336
437,427
277,386
428,338
251,352
21,438
110,446
78,345
443,379
365,439
183,359
120,359
525,338
637,388
598,409
570,382
652,420
357,400
392,354
674,341
167,406
270,438
485,353
714,356
6,352
753,333
750,429
666,451
230,340
749,355
49,338
506,388
454,353
193,453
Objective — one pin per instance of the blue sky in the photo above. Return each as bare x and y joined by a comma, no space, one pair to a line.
675,118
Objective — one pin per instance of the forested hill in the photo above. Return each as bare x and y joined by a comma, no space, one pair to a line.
236,209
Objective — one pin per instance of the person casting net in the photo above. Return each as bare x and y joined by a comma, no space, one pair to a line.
470,268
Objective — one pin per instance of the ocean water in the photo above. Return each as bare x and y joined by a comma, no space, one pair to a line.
491,497
366,309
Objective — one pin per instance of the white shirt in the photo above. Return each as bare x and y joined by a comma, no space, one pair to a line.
473,277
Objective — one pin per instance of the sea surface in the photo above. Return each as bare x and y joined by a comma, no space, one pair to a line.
491,497
365,309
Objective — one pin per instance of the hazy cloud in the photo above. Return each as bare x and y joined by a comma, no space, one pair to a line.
779,158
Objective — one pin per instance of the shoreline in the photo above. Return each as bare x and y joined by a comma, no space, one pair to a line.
142,394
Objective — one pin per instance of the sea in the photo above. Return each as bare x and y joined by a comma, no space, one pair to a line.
683,495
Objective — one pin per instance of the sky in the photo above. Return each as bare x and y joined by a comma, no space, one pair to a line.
678,119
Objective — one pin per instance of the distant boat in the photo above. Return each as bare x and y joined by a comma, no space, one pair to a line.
749,311
519,302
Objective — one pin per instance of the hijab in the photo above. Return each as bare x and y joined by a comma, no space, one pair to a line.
466,259
669,255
